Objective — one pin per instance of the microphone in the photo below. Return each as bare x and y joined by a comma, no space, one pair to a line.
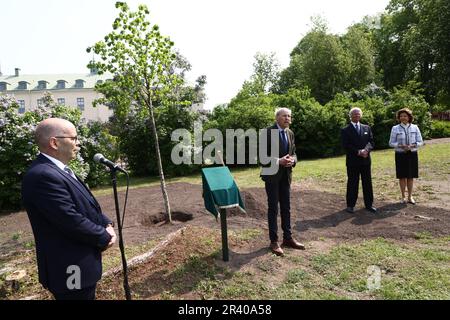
99,158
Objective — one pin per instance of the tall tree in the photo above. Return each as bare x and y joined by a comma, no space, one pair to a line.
266,71
360,51
142,62
318,62
328,64
391,61
265,76
414,45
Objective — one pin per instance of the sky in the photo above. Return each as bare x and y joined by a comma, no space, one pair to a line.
218,37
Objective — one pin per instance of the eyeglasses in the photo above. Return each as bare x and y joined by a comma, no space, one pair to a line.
71,138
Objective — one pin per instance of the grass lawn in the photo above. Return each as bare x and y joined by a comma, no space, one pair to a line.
416,270
419,270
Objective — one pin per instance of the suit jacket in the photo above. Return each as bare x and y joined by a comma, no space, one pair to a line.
68,225
281,153
353,142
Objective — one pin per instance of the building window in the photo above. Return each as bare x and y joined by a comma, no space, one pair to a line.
40,102
21,106
22,85
79,83
2,86
42,85
80,103
61,101
61,84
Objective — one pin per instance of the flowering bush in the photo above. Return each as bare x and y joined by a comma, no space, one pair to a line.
97,139
18,150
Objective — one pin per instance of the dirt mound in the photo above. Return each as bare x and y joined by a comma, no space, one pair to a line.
255,203
314,215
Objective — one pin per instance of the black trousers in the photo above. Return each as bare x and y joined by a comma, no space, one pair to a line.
353,174
279,192
82,294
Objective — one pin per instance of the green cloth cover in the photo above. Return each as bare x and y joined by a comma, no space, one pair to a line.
219,190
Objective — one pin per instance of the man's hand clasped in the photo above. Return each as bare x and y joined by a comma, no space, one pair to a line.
363,153
287,161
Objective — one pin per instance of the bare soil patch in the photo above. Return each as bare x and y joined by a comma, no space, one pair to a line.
314,215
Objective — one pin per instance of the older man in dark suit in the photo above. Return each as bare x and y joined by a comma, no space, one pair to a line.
357,140
69,227
278,182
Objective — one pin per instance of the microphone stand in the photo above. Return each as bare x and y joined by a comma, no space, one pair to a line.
121,246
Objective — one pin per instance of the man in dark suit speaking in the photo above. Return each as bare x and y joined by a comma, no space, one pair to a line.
69,227
357,140
278,181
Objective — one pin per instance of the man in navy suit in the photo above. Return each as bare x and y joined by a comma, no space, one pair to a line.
357,140
69,228
278,183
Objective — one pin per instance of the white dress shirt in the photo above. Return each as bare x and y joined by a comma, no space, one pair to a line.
357,126
59,164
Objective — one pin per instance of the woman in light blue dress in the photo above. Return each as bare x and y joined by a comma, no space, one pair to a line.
406,138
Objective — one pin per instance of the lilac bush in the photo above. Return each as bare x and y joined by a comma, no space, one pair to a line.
18,150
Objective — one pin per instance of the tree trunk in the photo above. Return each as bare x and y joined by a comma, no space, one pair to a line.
160,168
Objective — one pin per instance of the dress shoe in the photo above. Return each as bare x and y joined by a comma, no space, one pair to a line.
276,249
350,210
292,243
372,209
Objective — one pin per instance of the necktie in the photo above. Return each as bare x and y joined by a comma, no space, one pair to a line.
357,128
70,172
284,140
